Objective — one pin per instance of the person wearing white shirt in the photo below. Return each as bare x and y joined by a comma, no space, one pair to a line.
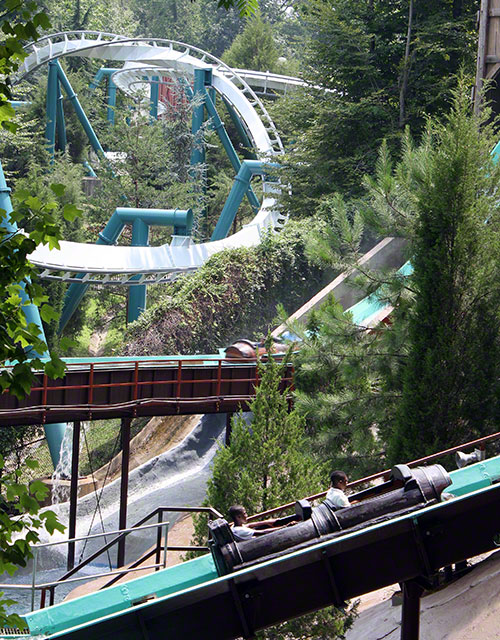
336,496
243,530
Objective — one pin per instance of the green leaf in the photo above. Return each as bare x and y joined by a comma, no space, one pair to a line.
55,367
51,522
39,489
66,343
70,212
58,188
31,464
6,112
48,313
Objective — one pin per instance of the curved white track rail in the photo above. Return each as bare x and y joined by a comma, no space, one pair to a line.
117,264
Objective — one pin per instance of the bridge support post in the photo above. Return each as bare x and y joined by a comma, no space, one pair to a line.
73,494
410,614
229,417
122,523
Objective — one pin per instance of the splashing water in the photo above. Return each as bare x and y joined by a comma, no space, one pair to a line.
63,469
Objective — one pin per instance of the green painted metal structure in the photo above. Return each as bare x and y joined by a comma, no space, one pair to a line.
141,220
191,596
105,72
53,432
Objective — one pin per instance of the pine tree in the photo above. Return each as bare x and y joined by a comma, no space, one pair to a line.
451,379
254,48
267,464
430,379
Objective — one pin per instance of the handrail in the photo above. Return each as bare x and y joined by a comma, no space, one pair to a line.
218,381
134,527
119,572
381,474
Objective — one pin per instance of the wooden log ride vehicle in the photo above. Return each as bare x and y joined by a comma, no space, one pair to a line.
407,490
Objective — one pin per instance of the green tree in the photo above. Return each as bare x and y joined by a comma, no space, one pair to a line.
375,86
254,48
112,16
267,464
22,21
428,380
450,383
20,525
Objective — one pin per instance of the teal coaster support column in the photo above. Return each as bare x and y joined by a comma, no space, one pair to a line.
111,90
228,147
154,88
80,113
111,99
54,433
198,152
51,109
240,186
110,234
60,123
137,293
88,169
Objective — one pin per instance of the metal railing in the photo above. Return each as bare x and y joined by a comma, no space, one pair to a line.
159,551
183,384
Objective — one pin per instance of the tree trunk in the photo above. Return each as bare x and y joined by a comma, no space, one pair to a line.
403,90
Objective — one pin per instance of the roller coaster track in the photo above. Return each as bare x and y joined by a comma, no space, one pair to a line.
119,264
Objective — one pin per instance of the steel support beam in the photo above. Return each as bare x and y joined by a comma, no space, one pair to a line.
80,113
410,614
241,131
51,108
60,123
219,127
122,522
137,293
54,432
154,89
248,169
198,169
73,494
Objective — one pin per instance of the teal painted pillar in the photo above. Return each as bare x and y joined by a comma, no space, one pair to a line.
228,147
51,109
54,433
240,186
80,113
60,123
88,169
137,292
110,91
198,152
154,88
111,100
110,234
198,169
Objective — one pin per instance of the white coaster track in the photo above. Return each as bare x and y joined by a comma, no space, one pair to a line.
118,264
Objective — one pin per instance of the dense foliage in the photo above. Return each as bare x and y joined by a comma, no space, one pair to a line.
264,466
384,68
429,379
234,294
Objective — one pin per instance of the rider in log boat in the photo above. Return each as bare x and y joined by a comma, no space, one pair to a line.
243,530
